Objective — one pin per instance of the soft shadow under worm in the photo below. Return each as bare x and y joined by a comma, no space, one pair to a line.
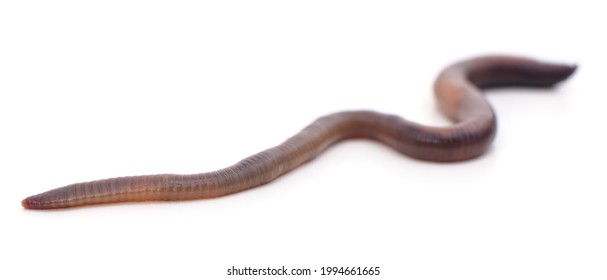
457,89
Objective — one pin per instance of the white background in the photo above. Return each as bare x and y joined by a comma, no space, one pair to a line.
96,89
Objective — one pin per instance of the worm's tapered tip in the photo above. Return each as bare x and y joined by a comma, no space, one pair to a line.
566,72
571,70
26,203
33,202
555,73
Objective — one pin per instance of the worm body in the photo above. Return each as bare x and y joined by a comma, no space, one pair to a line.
457,89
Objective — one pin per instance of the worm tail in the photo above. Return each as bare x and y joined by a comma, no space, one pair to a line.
134,188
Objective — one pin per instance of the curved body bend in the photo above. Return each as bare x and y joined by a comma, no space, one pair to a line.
457,89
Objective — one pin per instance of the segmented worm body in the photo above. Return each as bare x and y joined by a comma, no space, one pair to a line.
457,89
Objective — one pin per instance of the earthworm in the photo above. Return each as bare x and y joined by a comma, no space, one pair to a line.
457,89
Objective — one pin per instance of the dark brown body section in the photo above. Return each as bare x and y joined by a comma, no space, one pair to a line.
458,91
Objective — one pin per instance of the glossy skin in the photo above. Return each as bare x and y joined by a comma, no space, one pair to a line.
457,89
